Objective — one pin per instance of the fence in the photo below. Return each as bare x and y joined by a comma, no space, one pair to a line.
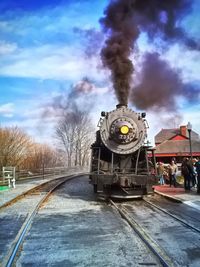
41,173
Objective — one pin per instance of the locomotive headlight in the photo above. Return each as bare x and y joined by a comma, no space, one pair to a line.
124,129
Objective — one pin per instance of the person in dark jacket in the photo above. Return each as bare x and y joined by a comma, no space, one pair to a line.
187,173
197,165
193,175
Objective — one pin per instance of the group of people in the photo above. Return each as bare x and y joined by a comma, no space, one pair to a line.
167,172
190,170
191,173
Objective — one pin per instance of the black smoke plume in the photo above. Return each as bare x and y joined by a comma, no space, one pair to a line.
159,85
122,32
123,22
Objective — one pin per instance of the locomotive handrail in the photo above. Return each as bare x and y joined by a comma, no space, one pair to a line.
99,122
146,122
136,163
99,157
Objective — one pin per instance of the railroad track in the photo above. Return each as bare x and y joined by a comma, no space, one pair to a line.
164,259
183,222
43,191
144,216
30,191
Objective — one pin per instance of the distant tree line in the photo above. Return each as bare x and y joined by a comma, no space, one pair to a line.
74,134
18,149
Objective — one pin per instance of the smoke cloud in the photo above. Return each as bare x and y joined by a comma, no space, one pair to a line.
93,40
122,23
159,85
79,97
122,32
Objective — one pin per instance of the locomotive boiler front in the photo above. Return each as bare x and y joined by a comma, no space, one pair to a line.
122,130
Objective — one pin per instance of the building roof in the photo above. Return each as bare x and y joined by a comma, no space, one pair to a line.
177,146
167,134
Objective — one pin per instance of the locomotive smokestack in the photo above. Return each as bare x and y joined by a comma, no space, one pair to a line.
121,106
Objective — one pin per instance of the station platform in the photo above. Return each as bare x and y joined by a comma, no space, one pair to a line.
178,194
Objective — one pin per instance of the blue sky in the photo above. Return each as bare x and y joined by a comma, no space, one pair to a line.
43,54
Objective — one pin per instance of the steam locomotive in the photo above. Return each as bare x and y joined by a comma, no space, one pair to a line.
120,165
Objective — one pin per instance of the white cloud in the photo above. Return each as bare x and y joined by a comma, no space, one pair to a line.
186,60
30,117
51,62
7,48
192,116
7,110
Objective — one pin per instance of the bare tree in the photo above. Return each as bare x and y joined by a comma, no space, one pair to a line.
40,156
75,134
14,146
18,149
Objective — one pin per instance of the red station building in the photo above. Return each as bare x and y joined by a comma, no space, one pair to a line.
175,143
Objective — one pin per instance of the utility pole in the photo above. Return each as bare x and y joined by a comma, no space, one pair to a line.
189,128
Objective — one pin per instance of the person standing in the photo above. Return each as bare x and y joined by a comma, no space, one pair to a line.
187,172
160,170
197,165
172,173
192,172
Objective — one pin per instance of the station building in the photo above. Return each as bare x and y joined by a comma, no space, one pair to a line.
175,143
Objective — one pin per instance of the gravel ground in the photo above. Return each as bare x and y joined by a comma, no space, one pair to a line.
179,242
73,229
11,220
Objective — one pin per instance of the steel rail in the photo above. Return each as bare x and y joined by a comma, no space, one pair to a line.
25,193
164,259
29,191
173,216
29,220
